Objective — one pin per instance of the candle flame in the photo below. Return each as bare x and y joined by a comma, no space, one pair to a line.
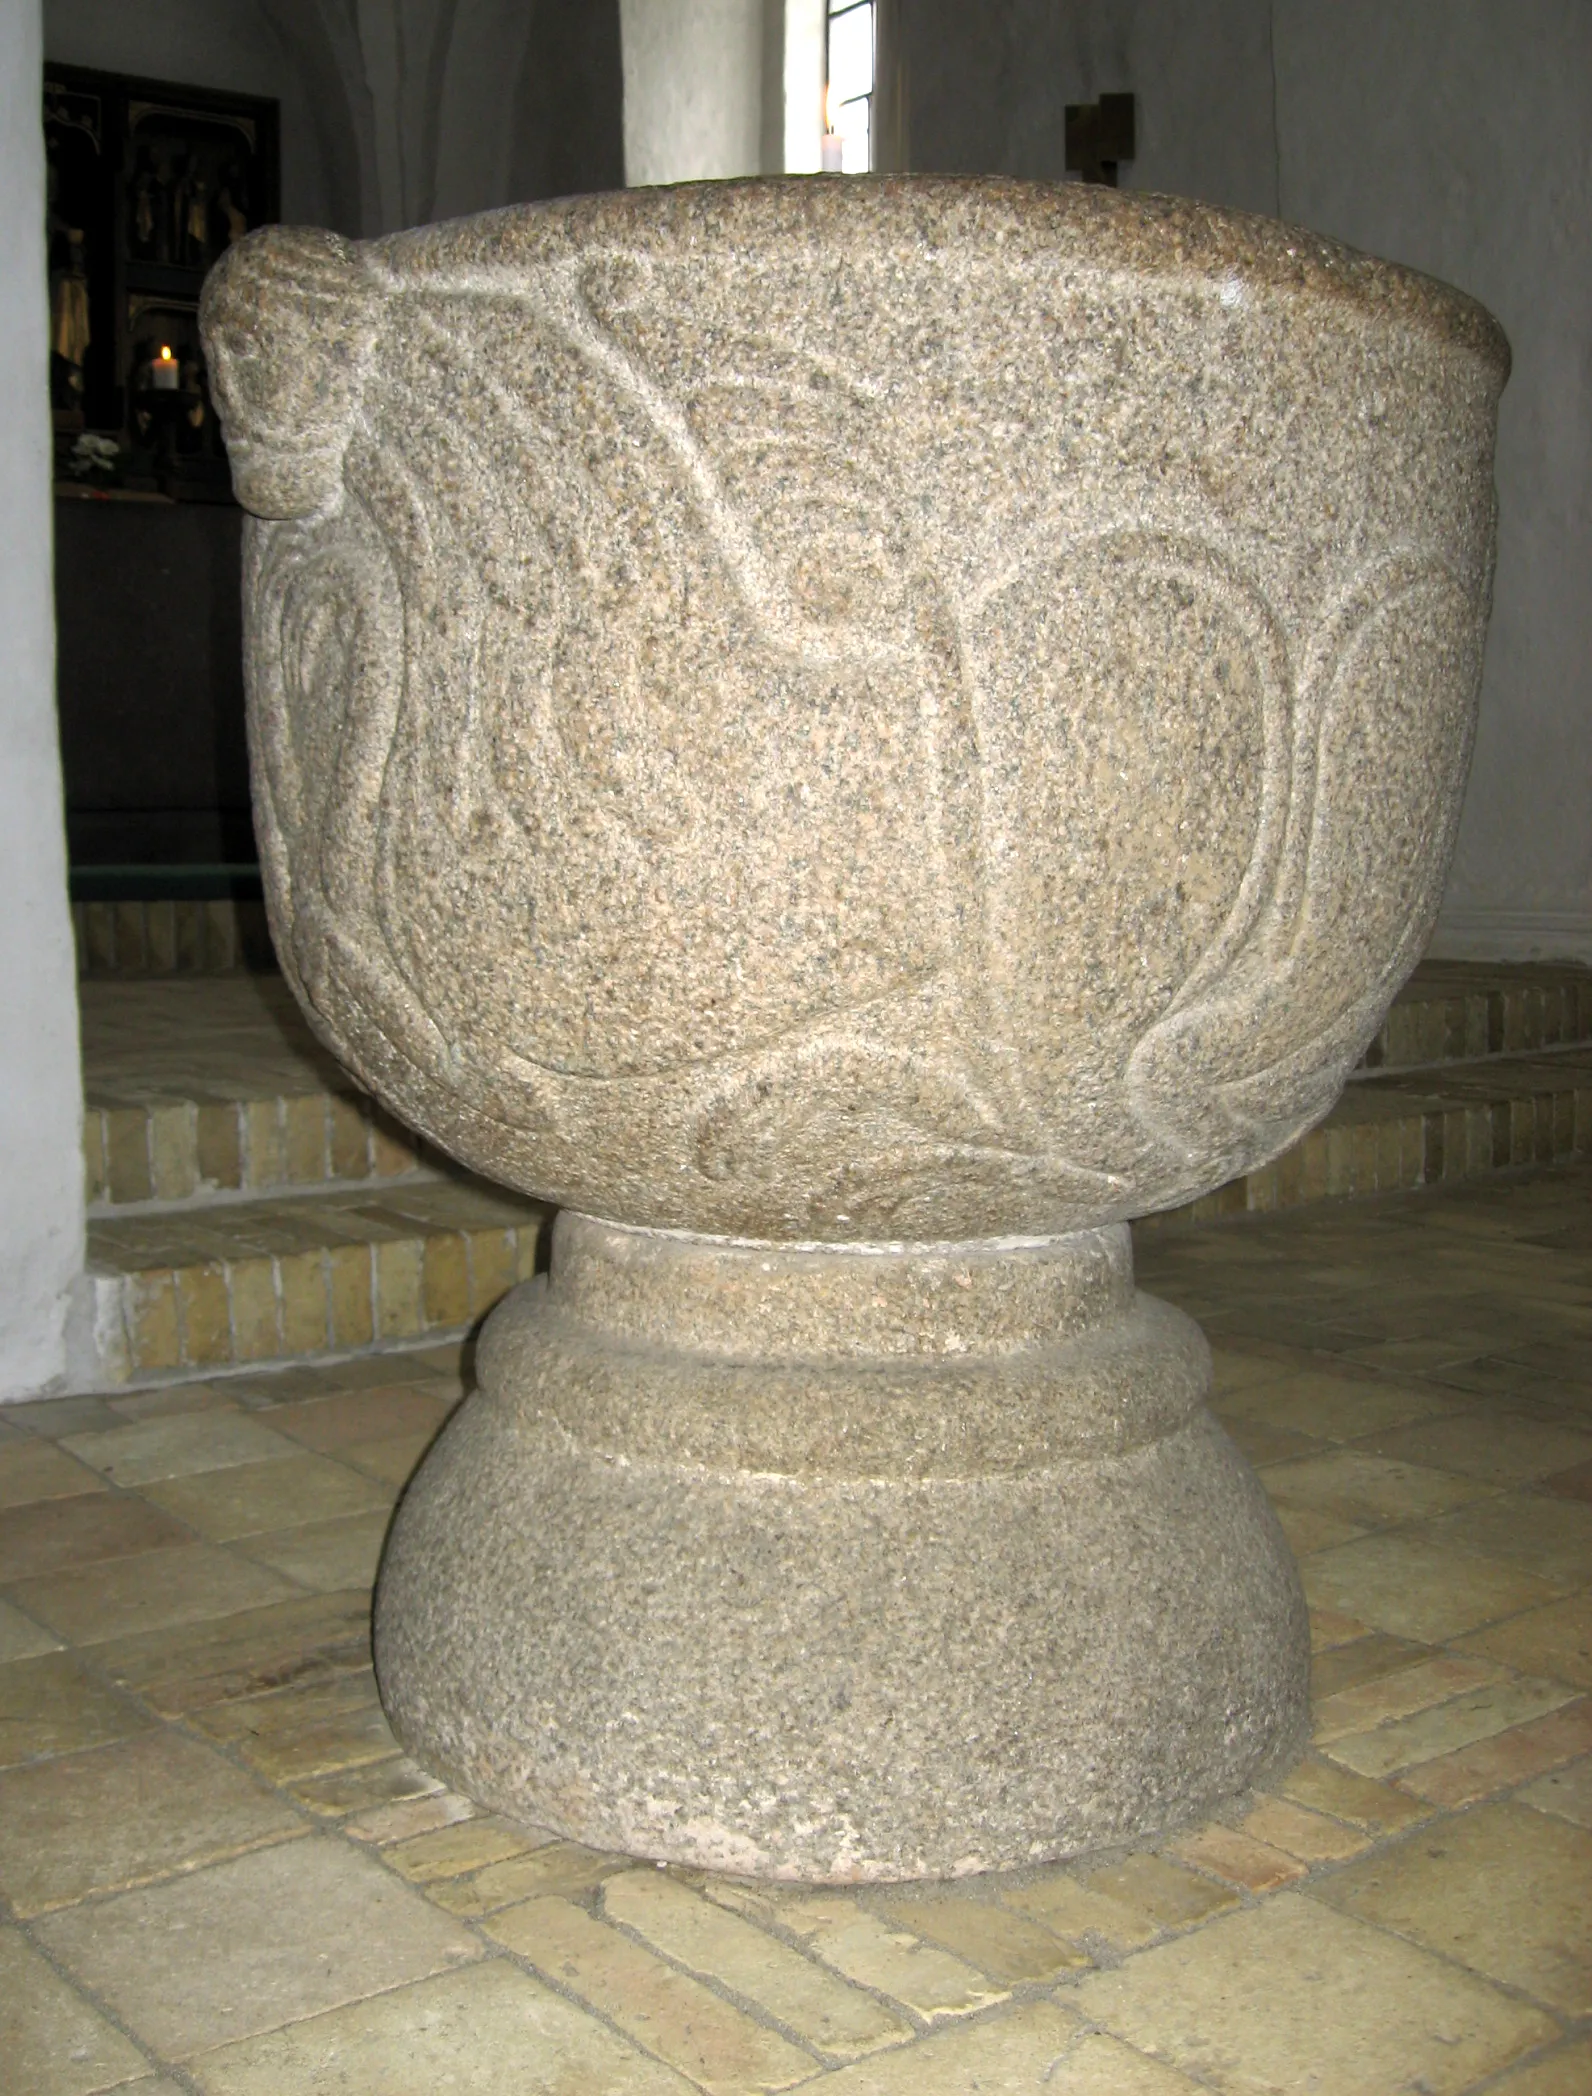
165,353
831,110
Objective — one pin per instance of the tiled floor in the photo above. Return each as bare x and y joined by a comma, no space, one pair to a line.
220,1875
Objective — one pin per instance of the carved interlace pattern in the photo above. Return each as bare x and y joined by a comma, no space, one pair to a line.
808,820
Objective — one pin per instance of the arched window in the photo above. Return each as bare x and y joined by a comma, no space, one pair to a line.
850,64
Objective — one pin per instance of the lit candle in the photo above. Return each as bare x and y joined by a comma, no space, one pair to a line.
832,146
163,370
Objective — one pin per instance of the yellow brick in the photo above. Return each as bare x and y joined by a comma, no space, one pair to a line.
527,1240
822,2009
99,937
349,1139
447,1281
160,924
348,1286
173,1159
673,2015
455,1851
1295,1829
493,1270
256,1318
206,1315
265,1161
305,1319
1314,1176
220,1151
1007,1946
131,944
221,935
304,1140
152,1334
563,1867
94,1187
127,1153
190,937
398,1305
868,1951
391,1148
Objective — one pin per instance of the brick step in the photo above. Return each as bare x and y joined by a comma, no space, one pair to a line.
248,1283
214,1089
1409,1128
184,935
1460,1011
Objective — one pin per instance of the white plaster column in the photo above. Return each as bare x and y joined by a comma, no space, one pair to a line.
693,89
41,1110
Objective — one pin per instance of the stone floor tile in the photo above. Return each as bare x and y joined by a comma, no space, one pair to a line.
1342,1407
83,1530
163,1398
1035,2047
1415,1588
51,1417
241,1947
53,1705
372,1784
1575,1483
1297,1831
1497,1447
857,1944
1566,2071
1499,1763
1566,1793
125,1814
1308,1529
1008,1946
21,1637
1361,1660
819,2008
1550,1538
52,2042
469,1842
384,1414
381,1824
1261,1442
252,1497
1124,1906
1479,1715
1240,1857
673,2015
325,1556
293,1733
391,1462
179,1445
1377,1807
564,1869
31,1470
155,1591
488,2030
1420,1686
1365,1489
1330,1627
186,1667
1505,1890
1556,1640
1259,1998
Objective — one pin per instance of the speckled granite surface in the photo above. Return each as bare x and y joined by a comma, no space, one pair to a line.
884,713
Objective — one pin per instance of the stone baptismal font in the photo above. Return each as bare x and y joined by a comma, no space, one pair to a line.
855,736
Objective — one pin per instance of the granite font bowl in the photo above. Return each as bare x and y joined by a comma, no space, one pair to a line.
904,709
854,735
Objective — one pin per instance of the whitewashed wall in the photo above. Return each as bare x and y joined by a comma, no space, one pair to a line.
41,1159
1456,135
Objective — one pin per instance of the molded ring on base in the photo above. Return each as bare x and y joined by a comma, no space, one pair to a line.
774,1599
